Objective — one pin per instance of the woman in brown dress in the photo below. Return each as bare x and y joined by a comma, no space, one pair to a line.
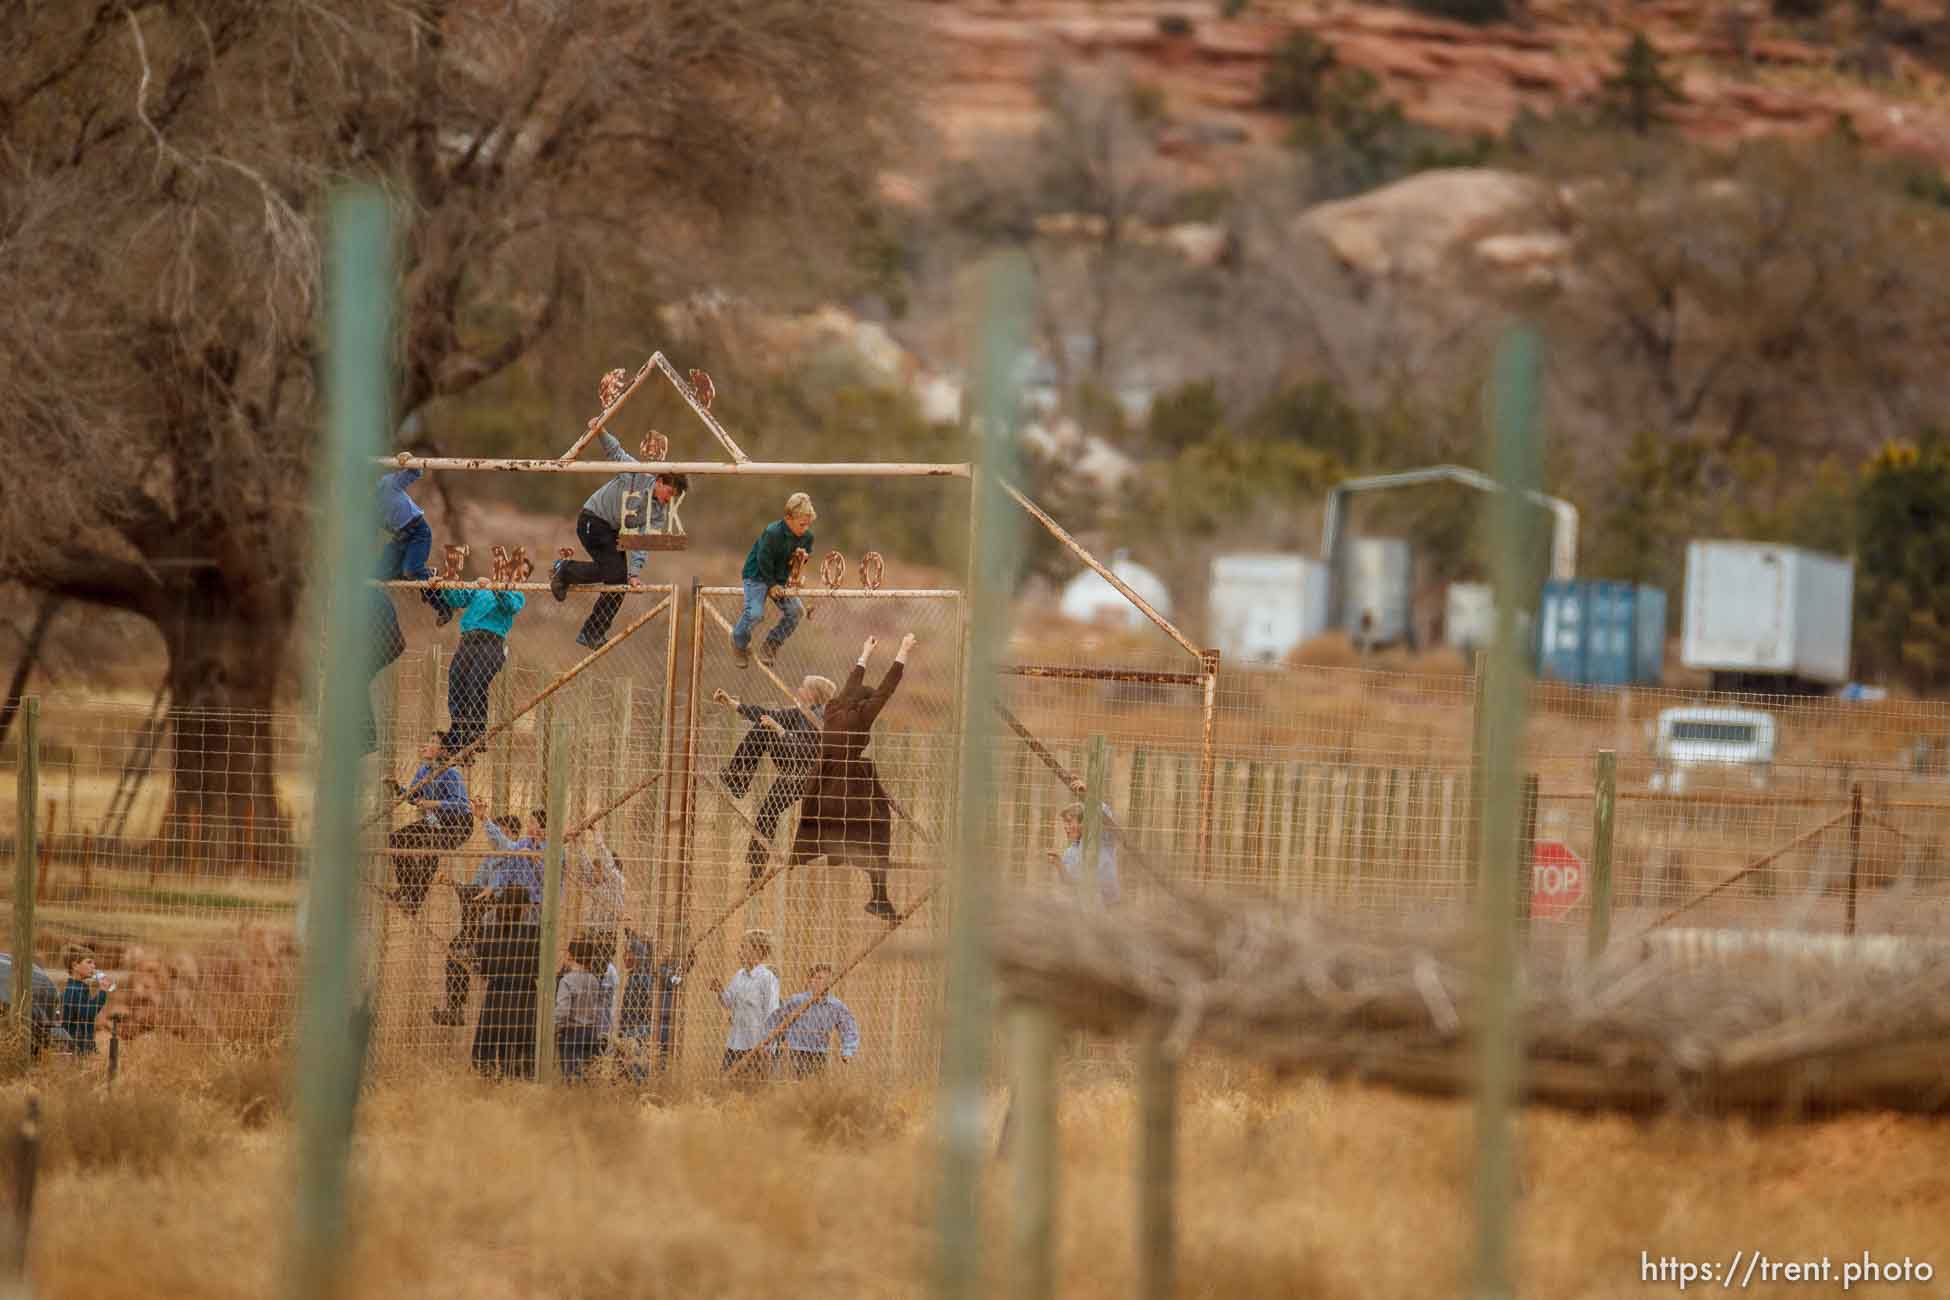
846,815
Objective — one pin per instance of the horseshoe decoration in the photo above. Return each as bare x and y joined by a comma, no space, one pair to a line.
611,386
655,446
832,570
453,560
703,388
873,567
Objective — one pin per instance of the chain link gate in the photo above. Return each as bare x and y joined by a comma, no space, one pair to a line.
814,912
618,703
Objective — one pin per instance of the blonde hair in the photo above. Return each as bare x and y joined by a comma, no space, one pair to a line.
822,688
1074,811
761,940
800,504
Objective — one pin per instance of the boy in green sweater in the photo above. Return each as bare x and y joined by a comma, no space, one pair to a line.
768,571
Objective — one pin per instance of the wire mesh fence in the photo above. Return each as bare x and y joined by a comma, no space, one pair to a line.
172,840
744,815
438,843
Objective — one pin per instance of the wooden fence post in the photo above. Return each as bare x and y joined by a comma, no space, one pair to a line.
557,807
1096,778
1602,821
1157,1168
26,855
1527,851
1854,854
1032,1107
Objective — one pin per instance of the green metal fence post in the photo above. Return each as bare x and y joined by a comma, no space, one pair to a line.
992,573
332,1041
1505,695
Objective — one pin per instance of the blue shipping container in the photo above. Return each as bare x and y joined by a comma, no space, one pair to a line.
1593,633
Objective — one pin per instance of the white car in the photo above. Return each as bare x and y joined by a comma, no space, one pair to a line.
1718,737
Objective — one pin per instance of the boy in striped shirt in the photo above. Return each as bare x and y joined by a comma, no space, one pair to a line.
624,503
808,1038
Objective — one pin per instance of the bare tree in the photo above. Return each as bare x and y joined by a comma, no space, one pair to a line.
1070,196
1782,292
160,190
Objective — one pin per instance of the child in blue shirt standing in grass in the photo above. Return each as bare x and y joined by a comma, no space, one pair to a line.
81,1001
768,570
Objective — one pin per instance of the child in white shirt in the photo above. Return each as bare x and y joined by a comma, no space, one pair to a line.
751,996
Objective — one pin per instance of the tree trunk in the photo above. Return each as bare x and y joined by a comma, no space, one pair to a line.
227,740
30,655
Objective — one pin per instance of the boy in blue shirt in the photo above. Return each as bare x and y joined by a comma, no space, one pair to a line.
409,540
486,617
81,1000
768,571
446,820
809,1035
511,866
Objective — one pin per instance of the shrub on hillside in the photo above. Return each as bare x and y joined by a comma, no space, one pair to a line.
1466,11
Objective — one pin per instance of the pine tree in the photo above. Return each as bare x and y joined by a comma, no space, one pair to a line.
1637,95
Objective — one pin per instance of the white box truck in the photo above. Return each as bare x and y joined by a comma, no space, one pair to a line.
1263,605
1766,618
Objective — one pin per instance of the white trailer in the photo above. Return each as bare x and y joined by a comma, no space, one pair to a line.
1263,605
1762,617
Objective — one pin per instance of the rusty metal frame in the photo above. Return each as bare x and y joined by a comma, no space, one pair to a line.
1207,676
1765,860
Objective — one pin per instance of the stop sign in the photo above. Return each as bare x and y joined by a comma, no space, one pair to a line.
1556,879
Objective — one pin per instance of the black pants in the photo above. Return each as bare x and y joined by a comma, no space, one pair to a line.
606,564
805,1065
787,787
476,660
460,951
416,853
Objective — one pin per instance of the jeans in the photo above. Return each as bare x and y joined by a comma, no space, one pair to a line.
405,556
606,564
477,659
755,594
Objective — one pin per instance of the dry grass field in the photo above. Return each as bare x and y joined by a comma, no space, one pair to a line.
176,1182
